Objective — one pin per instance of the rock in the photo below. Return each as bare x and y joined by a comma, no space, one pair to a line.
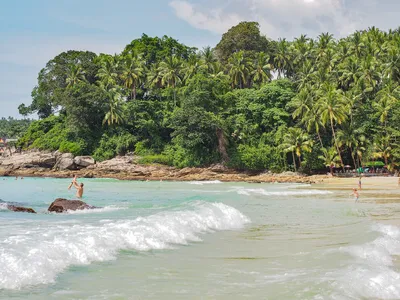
65,161
62,205
21,209
84,161
218,168
29,159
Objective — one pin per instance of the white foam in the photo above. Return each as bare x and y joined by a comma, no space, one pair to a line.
37,257
205,182
372,275
248,192
3,206
95,210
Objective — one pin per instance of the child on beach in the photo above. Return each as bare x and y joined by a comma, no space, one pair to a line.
355,194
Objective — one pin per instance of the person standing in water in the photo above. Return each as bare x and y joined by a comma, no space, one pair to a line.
79,187
355,194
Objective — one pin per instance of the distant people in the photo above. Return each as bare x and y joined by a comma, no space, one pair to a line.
359,183
355,194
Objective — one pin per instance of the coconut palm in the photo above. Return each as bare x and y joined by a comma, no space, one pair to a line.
262,69
107,73
115,111
171,70
283,60
330,158
192,66
239,69
296,141
133,73
208,58
333,109
75,75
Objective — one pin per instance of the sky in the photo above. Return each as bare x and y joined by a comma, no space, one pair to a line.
32,32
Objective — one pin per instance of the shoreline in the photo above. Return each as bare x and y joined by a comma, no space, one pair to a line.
164,173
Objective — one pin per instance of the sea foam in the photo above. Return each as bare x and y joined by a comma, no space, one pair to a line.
248,192
372,275
38,256
205,182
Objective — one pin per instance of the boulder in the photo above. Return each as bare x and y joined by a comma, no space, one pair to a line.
21,209
29,159
62,205
65,161
84,161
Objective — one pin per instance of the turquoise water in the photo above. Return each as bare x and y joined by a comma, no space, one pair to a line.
195,240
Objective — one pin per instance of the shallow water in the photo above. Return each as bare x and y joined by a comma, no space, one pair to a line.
196,240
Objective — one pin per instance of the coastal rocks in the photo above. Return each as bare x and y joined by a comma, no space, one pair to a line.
21,209
62,205
29,160
65,161
83,161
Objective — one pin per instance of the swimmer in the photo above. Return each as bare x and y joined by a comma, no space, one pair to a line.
72,182
355,194
79,189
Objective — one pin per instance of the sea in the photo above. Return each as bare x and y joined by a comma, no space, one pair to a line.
196,240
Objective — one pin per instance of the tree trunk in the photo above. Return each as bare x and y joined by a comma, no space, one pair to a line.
134,91
320,140
299,161
337,147
294,161
352,156
222,142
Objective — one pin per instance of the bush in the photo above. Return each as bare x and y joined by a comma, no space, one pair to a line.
113,145
140,148
76,148
155,159
181,157
255,158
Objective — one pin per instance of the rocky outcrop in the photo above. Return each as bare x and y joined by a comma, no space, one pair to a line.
65,161
83,161
62,205
29,160
21,209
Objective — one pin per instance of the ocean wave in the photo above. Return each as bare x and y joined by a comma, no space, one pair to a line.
37,257
95,210
248,192
3,206
373,276
205,182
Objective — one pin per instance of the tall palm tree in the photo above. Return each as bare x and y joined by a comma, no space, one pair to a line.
330,158
262,69
115,110
75,75
296,141
239,69
349,136
208,58
171,70
154,76
333,109
108,72
283,60
133,72
192,66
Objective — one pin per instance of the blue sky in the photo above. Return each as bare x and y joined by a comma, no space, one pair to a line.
34,31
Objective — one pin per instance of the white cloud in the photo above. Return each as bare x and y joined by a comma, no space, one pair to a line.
288,18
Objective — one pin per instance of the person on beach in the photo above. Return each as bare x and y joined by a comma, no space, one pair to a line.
359,183
355,194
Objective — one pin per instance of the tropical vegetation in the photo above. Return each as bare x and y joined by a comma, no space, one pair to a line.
251,102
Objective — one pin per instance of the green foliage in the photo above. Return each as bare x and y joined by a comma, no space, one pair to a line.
334,102
12,128
71,147
155,159
114,143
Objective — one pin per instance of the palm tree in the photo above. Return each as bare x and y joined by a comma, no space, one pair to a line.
296,141
349,136
239,69
386,98
192,66
208,58
132,73
262,69
333,109
154,76
75,75
171,69
115,111
330,158
107,72
283,60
